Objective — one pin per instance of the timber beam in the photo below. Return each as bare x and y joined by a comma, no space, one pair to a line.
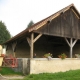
31,43
37,38
71,45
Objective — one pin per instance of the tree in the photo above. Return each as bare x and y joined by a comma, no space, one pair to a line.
30,24
4,33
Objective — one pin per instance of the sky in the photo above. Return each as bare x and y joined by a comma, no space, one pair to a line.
16,14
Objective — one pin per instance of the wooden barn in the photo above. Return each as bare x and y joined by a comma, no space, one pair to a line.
58,33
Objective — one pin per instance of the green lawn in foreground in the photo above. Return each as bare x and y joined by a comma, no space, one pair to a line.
8,71
68,75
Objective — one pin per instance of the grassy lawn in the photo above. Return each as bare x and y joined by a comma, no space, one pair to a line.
8,71
68,75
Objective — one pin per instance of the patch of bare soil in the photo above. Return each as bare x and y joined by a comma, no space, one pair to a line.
11,77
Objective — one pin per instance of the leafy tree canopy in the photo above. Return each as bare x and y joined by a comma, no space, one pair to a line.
4,33
30,24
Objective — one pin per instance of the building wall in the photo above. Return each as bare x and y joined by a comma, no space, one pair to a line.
54,65
9,50
23,50
63,25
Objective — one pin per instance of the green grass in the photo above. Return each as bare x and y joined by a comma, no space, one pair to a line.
68,75
8,71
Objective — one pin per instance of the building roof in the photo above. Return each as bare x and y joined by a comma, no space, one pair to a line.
40,24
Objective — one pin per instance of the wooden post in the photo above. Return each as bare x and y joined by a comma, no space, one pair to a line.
71,48
31,43
71,45
32,46
13,47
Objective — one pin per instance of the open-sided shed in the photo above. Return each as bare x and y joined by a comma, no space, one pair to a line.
56,34
50,33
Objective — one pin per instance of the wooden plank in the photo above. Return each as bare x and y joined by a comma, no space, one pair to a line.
37,38
32,46
44,22
48,19
75,13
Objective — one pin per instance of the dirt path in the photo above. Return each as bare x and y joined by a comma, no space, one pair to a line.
11,77
2,78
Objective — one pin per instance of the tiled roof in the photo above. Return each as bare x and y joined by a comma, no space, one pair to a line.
43,22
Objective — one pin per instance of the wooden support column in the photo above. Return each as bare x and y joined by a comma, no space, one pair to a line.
13,48
71,45
71,48
31,42
32,45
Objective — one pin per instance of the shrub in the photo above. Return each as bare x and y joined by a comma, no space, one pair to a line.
62,56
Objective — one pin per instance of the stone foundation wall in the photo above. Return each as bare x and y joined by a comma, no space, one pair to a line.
55,65
43,65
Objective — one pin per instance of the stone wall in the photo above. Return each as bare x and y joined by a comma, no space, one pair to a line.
55,65
43,65
23,66
26,66
19,66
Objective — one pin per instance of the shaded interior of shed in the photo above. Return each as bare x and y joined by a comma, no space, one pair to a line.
51,44
45,44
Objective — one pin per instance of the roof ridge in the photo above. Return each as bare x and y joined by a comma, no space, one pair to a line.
44,21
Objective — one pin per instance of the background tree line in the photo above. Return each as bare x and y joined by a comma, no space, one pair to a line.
5,34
